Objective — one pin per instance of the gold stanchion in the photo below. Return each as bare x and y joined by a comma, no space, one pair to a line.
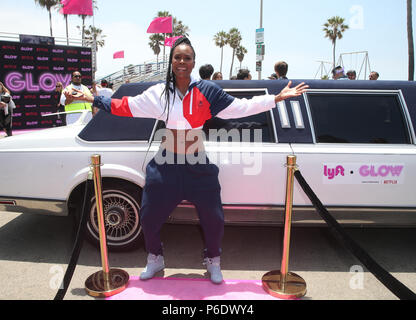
107,282
282,283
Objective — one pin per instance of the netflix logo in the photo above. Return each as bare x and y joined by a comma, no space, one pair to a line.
8,47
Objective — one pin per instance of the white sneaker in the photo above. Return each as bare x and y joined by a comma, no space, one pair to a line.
154,265
214,269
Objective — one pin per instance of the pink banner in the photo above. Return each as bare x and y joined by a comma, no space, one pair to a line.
118,55
169,42
161,25
82,7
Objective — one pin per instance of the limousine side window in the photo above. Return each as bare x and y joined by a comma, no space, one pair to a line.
358,118
242,128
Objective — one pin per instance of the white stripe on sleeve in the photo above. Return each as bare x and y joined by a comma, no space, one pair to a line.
240,108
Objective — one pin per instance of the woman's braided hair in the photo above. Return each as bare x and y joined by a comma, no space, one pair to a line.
170,76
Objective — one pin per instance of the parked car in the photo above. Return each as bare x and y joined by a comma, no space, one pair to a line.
354,142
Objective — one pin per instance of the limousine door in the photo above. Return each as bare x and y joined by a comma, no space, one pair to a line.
250,174
363,154
251,162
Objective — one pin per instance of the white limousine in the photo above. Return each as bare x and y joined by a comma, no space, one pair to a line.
354,142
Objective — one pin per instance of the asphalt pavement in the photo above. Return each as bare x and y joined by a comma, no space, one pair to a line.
35,251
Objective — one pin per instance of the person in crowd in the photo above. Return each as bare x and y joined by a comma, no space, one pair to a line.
73,105
104,90
180,169
56,100
206,71
217,76
94,88
373,75
281,68
338,73
6,110
94,92
273,76
243,74
352,75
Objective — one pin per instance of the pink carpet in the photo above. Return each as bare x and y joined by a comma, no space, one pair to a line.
192,289
17,132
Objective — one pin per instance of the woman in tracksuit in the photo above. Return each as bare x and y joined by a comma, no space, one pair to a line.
185,104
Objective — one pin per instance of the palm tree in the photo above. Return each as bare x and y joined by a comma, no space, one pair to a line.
156,40
66,26
179,29
83,16
94,39
48,4
94,36
334,30
221,40
411,49
240,52
59,7
234,39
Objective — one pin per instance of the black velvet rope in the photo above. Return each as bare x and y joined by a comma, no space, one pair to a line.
89,188
395,286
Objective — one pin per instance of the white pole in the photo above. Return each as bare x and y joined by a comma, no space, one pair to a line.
261,25
261,13
94,51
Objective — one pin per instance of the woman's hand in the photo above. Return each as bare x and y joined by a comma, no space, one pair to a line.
3,105
289,92
76,94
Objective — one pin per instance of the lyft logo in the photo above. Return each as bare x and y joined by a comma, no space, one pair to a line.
331,173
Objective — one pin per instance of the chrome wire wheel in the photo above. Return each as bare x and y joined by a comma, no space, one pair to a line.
121,219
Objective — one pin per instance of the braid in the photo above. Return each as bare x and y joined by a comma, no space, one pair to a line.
170,76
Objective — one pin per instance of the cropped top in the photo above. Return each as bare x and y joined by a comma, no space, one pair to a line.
203,101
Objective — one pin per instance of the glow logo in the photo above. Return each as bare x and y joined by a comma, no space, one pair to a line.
381,171
17,81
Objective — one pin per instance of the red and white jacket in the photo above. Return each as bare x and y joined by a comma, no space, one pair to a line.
203,100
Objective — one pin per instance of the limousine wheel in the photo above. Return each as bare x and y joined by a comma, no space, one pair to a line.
121,216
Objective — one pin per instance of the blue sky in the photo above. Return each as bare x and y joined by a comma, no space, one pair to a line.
293,31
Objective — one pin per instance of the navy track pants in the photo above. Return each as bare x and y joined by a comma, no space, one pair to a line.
166,186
